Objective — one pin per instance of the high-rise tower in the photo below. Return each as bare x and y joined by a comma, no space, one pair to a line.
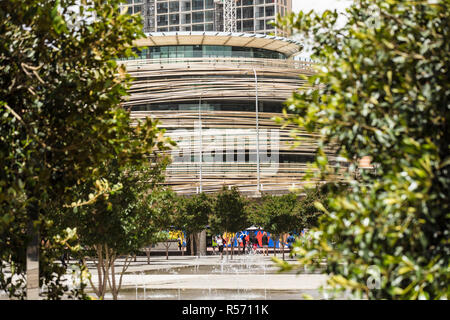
250,16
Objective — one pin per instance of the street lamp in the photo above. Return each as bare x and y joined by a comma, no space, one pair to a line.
201,142
257,133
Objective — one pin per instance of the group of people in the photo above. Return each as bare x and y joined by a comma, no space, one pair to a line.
249,243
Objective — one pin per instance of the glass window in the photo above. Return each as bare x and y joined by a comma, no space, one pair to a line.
188,51
185,28
185,18
247,2
197,4
185,5
162,20
174,6
137,9
209,16
259,12
247,12
164,52
197,51
162,30
247,25
172,52
268,25
209,4
206,50
174,19
162,7
197,17
198,27
270,11
260,25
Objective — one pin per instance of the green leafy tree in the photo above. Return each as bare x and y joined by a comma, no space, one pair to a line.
276,215
193,216
306,211
165,206
229,213
121,223
381,90
60,90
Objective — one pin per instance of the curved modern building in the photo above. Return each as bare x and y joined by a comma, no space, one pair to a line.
217,95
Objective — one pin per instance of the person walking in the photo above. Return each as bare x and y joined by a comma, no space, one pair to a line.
214,244
244,242
253,242
220,243
265,244
239,241
290,242
180,244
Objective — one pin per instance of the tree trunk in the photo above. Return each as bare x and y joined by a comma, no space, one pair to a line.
191,236
232,249
167,249
275,246
32,263
147,252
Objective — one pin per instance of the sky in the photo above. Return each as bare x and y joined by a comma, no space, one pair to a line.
318,5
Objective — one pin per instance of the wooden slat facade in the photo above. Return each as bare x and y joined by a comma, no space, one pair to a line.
212,80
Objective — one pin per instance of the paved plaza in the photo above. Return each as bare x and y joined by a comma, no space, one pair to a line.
197,277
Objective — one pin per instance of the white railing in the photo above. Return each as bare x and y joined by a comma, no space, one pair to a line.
277,63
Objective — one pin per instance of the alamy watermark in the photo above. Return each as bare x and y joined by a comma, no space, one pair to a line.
220,149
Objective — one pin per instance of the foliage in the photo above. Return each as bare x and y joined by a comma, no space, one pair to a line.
60,118
306,210
195,212
382,90
275,214
193,216
229,214
123,222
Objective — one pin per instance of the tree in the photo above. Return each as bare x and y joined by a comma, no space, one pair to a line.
60,93
382,90
275,214
165,206
306,210
120,224
193,216
229,214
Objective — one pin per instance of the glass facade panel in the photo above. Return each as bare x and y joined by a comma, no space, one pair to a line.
197,5
247,12
247,25
174,6
264,106
185,18
270,11
198,27
174,19
162,7
198,17
209,16
163,20
207,51
185,5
